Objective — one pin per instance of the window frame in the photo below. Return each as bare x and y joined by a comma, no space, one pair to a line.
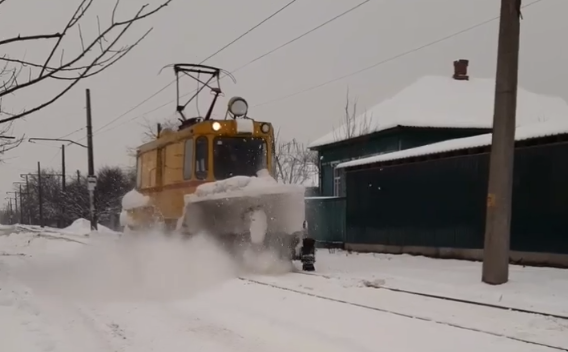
265,146
138,170
201,174
338,180
188,159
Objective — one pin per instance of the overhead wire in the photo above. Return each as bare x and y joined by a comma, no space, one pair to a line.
392,58
317,86
202,61
257,58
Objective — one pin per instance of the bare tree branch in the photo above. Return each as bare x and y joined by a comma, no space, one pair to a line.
30,37
353,123
8,142
72,71
74,19
295,163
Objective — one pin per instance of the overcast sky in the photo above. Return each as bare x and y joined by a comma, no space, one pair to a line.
189,31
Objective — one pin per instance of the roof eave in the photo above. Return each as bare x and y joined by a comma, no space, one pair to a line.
394,129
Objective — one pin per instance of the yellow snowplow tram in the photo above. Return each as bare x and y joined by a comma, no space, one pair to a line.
223,153
177,162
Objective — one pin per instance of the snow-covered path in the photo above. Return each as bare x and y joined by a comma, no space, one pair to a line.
236,316
57,294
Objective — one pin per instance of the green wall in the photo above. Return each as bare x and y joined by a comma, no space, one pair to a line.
441,203
326,219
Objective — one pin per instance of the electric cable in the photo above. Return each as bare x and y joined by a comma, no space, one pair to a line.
207,58
392,58
257,58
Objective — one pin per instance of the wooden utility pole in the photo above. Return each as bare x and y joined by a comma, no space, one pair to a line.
40,194
28,198
91,179
21,205
63,182
500,189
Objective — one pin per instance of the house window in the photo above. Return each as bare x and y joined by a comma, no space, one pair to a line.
339,182
336,186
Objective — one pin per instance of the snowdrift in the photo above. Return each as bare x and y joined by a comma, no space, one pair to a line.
83,227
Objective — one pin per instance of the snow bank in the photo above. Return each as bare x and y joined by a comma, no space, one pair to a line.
83,227
239,186
541,289
6,229
134,199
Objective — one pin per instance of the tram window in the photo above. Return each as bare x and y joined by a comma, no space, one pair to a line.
188,159
201,158
138,171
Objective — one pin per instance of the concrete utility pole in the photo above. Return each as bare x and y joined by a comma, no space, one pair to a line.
500,189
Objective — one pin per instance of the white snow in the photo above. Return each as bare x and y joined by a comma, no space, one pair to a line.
540,289
134,199
435,101
150,293
536,130
258,226
83,227
239,186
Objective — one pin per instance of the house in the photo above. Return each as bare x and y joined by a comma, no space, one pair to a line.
432,111
431,200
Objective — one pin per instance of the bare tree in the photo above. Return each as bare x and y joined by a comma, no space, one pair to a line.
353,123
8,142
295,163
150,131
104,50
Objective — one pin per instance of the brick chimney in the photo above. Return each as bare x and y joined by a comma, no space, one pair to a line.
460,70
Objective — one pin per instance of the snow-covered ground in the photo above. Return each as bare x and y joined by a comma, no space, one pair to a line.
64,291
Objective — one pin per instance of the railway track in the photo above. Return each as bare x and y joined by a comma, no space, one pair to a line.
405,315
452,299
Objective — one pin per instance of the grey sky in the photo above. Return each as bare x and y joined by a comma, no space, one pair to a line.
188,31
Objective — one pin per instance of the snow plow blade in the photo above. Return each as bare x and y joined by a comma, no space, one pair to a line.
243,211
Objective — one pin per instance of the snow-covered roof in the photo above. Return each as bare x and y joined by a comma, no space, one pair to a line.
443,102
525,132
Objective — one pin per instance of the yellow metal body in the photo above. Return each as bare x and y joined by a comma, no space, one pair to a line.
161,162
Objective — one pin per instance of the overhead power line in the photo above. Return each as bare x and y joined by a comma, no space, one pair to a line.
392,58
259,57
207,58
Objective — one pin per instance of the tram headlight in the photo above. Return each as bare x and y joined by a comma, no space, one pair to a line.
265,128
216,126
238,106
